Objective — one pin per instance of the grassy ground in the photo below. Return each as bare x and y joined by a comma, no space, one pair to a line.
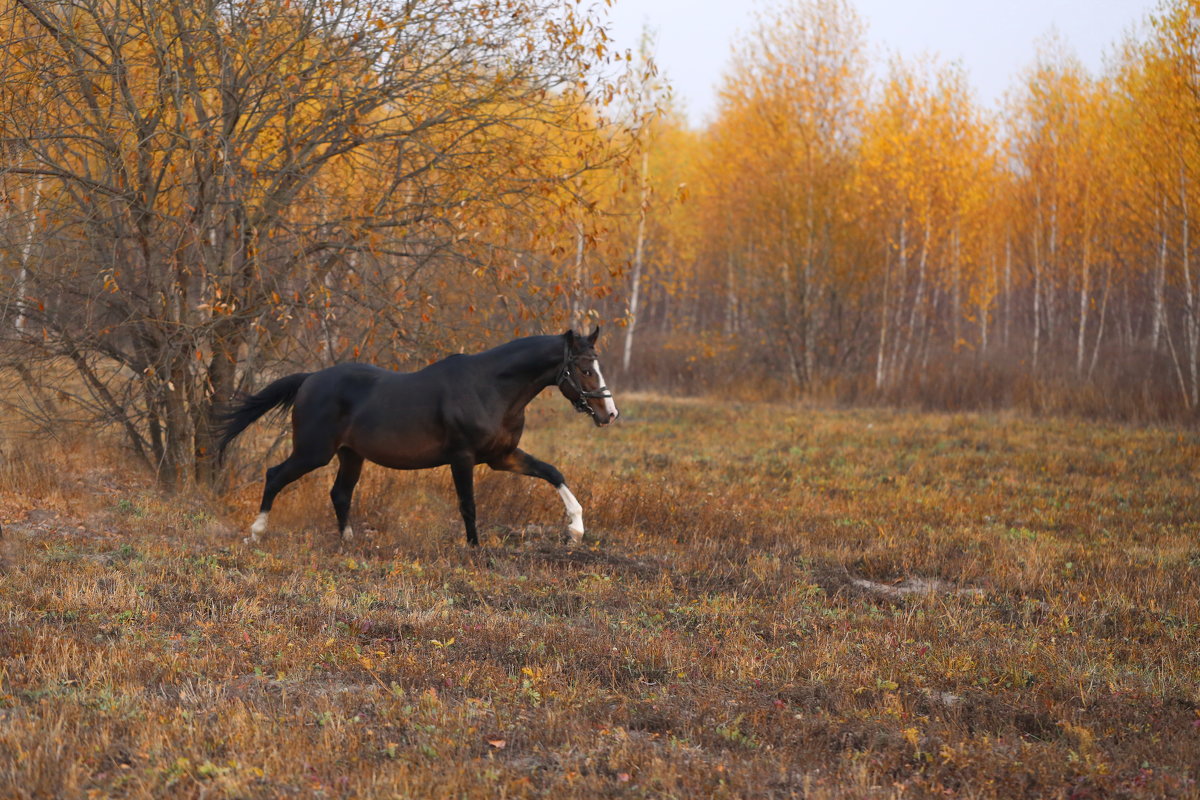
770,602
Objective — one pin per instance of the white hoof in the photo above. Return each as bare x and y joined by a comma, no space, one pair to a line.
574,511
348,533
258,528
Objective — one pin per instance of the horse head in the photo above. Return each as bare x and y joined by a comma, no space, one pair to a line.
580,379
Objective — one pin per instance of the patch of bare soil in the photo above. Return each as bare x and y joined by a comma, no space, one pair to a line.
837,578
907,586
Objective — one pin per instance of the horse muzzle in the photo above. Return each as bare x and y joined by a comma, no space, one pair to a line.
603,418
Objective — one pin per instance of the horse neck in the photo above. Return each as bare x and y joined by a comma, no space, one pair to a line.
523,374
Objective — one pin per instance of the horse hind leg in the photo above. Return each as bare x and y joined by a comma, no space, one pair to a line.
295,466
350,466
463,471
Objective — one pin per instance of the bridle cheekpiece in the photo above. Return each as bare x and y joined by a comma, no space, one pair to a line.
567,377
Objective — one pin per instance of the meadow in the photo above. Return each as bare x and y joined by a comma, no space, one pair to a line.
771,601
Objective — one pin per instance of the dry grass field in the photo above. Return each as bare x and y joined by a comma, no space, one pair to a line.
770,602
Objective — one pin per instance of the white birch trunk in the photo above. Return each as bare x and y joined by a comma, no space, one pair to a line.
638,255
1160,278
31,211
902,291
1100,324
1037,285
577,283
1191,329
1084,301
1007,287
880,378
918,300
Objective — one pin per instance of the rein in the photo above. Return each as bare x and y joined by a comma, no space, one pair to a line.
567,377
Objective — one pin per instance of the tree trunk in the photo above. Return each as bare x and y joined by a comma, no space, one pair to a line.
1100,324
638,254
1160,278
1191,324
917,313
1084,301
577,311
956,289
880,377
1007,287
26,252
731,301
1037,286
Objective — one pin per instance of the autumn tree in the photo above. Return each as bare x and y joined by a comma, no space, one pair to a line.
1158,103
195,189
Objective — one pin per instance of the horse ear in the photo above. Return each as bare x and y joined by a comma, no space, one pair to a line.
595,334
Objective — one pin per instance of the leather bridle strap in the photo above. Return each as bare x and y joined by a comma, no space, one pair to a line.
568,377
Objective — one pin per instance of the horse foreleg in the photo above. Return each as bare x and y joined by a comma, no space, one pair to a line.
522,463
463,470
350,466
574,511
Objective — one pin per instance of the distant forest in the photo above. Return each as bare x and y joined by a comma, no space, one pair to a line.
871,233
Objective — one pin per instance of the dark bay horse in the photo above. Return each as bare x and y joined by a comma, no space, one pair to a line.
462,411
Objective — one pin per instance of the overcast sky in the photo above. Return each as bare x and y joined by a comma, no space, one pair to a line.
993,39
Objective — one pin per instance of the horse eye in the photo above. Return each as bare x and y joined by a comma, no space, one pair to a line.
587,372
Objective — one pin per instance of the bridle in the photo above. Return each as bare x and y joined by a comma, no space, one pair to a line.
567,377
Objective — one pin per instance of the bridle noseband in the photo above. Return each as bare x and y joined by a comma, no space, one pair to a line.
567,377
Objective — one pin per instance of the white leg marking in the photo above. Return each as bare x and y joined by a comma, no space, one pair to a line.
348,533
259,527
575,511
610,407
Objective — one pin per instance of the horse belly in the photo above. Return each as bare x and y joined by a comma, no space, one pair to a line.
400,452
405,440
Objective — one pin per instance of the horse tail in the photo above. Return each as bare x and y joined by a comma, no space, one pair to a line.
277,395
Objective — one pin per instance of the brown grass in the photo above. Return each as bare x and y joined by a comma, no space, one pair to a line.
771,602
